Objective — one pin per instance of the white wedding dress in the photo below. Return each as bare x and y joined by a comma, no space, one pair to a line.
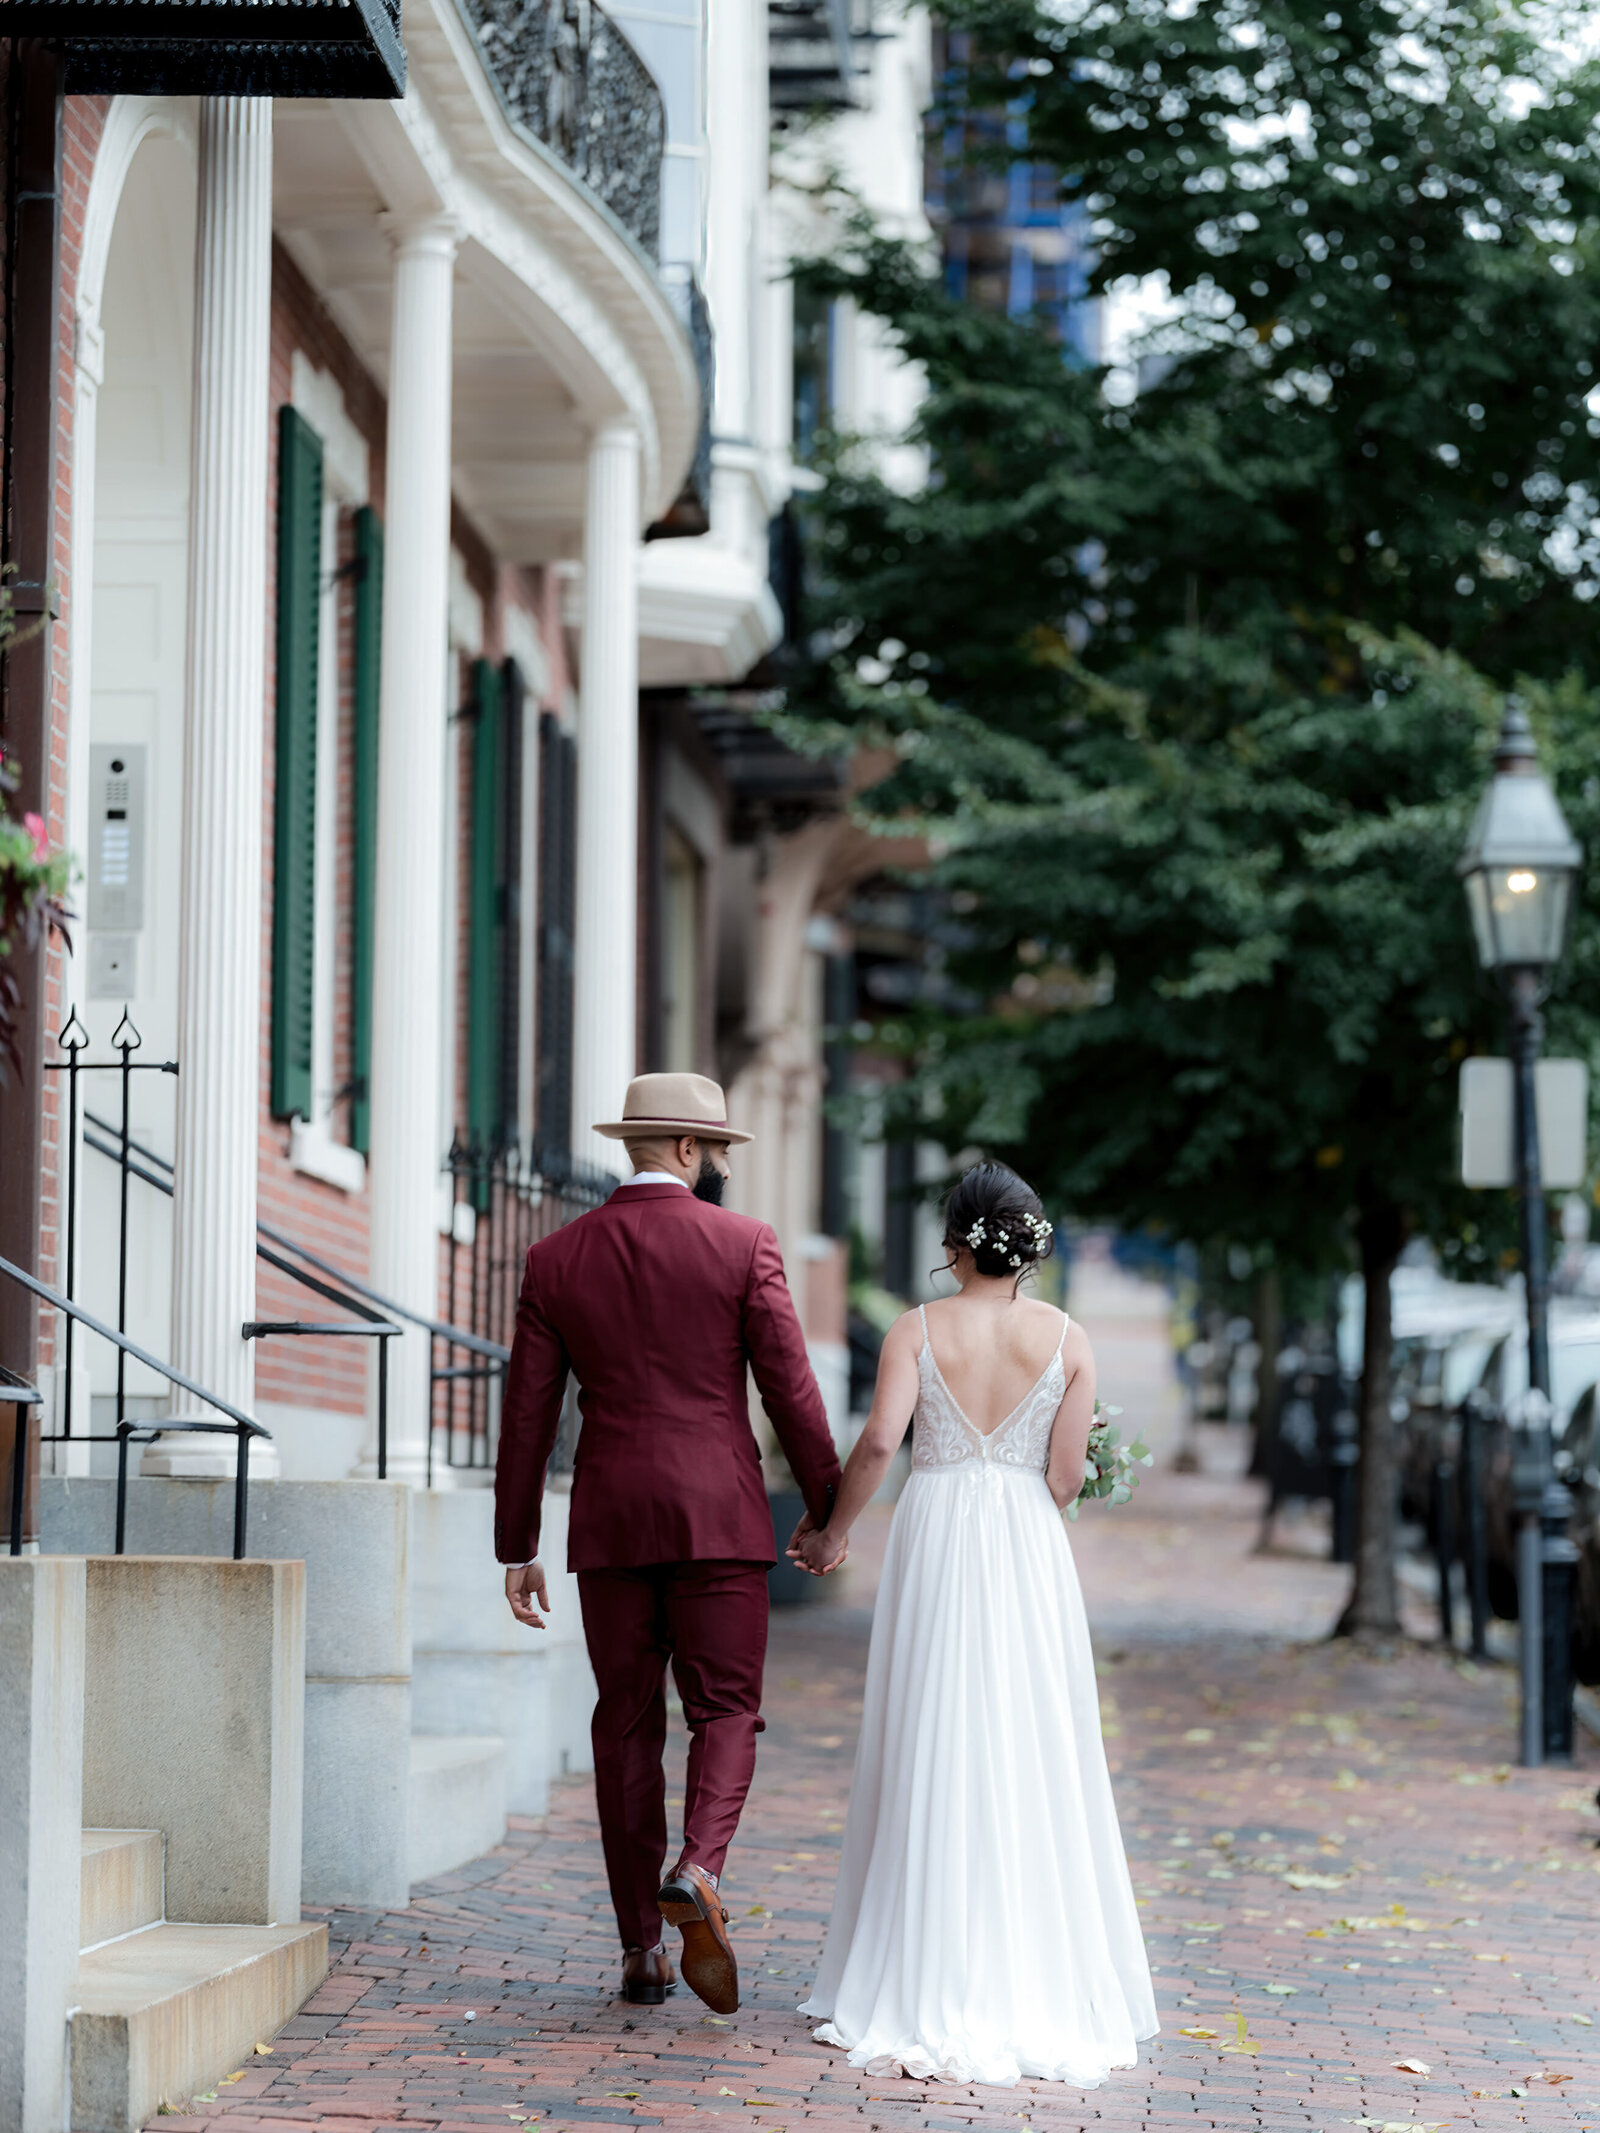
984,1926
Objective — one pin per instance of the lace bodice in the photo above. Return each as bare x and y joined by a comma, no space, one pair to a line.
943,1436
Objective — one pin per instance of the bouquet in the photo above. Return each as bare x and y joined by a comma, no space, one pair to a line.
1110,1468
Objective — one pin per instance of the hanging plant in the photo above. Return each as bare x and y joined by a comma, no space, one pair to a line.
33,884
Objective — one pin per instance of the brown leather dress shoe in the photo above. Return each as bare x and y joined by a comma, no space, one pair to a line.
689,1901
647,1976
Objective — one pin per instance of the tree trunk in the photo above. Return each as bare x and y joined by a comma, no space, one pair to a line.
1374,1610
1269,1334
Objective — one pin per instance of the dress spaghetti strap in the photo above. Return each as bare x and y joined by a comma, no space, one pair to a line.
922,1313
1060,1344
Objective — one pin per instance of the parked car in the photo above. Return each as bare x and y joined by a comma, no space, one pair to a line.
1439,1368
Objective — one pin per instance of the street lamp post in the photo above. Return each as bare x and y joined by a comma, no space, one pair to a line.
1519,871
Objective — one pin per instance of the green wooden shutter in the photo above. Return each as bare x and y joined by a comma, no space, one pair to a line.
558,795
294,858
485,1106
512,1006
367,659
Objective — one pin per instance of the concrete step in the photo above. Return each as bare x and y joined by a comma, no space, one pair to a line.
458,1800
121,1883
166,2013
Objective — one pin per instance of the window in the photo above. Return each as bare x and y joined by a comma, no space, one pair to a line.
558,801
681,925
322,911
495,950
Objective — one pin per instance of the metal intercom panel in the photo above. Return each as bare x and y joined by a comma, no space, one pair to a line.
113,966
118,788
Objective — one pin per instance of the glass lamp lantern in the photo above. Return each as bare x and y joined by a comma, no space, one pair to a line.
1521,860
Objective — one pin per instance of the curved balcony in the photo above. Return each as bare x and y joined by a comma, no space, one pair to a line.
569,77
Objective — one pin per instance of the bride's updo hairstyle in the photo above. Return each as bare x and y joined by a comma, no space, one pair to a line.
998,1218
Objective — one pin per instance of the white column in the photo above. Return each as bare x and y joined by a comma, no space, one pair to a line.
89,369
219,939
407,1006
604,945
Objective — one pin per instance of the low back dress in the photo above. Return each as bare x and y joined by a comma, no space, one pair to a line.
984,1926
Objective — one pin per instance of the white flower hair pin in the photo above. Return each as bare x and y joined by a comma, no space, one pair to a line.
1039,1230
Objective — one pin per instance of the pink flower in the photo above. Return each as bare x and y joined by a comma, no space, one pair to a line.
34,825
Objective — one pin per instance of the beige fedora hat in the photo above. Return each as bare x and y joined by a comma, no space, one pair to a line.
671,1104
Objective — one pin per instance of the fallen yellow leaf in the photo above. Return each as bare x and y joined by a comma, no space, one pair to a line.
1243,2042
265,2050
1196,2032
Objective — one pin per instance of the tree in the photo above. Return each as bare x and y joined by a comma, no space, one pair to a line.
1378,222
1198,692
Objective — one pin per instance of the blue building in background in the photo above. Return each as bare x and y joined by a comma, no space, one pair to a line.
1011,243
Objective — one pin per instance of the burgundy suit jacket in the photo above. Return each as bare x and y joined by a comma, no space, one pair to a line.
659,1304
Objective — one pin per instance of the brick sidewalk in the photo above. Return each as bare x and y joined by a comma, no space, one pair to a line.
1329,1845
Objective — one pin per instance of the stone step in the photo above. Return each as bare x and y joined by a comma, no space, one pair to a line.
122,1871
164,2014
458,1800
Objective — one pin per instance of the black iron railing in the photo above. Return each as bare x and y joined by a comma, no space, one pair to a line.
20,1396
239,1426
568,76
507,1196
125,1041
514,1195
135,1159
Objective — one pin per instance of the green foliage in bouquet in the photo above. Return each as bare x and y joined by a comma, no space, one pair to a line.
1111,1468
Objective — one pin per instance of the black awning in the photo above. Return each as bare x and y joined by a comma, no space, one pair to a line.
336,48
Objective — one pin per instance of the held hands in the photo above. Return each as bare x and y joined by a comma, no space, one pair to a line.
817,1552
522,1588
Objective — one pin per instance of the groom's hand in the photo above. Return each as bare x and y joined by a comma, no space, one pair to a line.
815,1551
522,1587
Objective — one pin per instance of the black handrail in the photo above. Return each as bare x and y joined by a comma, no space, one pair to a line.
506,1181
238,1425
21,1396
438,1327
370,1327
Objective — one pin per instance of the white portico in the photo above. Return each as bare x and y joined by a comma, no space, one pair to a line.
541,388
537,372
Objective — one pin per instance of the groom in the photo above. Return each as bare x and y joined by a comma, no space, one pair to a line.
660,1303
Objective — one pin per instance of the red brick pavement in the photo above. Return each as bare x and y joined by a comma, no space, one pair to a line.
1330,1846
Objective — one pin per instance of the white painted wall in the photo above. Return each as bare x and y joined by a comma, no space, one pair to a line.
140,573
875,153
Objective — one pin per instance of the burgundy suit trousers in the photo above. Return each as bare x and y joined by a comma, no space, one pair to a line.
710,1621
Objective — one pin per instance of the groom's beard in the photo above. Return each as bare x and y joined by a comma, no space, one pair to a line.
708,1185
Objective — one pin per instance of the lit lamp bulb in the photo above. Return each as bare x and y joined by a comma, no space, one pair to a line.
1521,860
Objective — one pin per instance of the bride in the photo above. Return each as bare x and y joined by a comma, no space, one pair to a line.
984,1925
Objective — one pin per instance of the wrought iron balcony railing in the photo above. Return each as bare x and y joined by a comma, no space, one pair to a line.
569,77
